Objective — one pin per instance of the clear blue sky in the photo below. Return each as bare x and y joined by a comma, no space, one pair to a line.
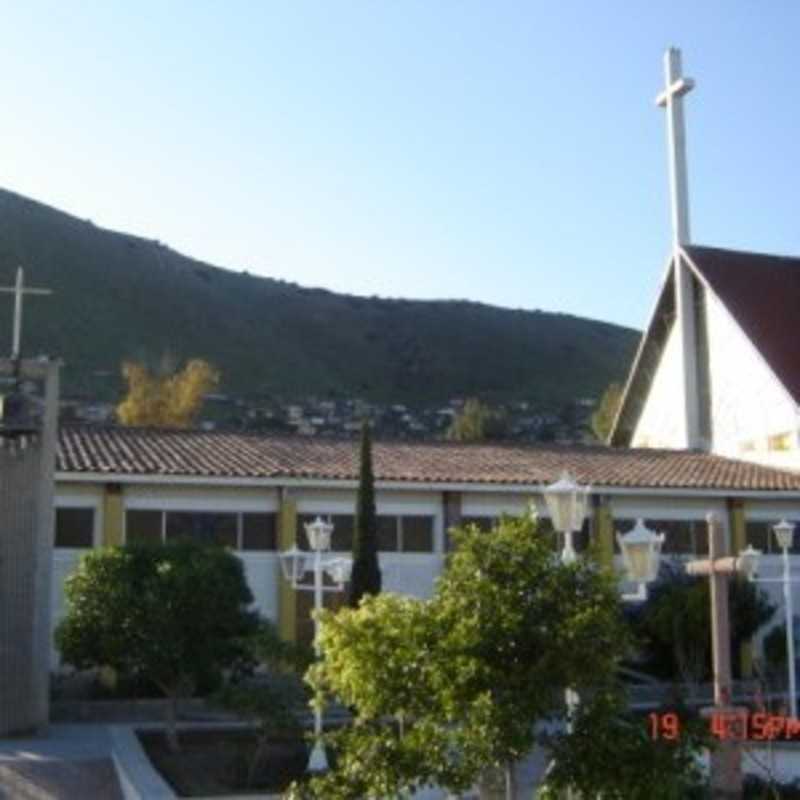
504,152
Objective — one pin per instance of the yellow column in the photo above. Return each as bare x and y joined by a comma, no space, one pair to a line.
287,596
737,524
112,515
603,530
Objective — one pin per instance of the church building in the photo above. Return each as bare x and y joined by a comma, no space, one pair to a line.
718,368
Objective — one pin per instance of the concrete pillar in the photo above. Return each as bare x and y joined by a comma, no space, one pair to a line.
451,503
113,515
287,596
737,525
27,468
603,531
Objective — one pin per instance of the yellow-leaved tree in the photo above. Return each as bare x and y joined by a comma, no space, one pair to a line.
170,399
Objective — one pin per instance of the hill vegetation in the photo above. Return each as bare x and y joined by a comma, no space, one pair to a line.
120,297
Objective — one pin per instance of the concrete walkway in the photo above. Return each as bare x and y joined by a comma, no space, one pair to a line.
69,761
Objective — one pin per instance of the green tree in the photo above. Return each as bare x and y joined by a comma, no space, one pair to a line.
603,418
466,675
366,574
477,422
165,398
674,625
610,754
172,614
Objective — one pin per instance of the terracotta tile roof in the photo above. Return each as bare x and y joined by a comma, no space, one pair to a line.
762,292
141,451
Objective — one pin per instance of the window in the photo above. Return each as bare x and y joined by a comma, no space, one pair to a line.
781,441
411,534
484,524
244,531
74,527
683,536
144,527
259,532
342,537
201,526
388,536
416,534
761,536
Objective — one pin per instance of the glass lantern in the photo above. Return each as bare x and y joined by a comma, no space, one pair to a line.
567,502
319,533
641,552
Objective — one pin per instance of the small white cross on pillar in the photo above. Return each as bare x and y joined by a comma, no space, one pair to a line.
672,100
18,290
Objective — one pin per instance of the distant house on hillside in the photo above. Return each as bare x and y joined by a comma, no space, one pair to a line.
724,378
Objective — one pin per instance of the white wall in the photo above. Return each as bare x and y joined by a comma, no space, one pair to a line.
662,423
749,404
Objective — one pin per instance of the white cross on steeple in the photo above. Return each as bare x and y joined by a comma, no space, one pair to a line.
672,100
18,290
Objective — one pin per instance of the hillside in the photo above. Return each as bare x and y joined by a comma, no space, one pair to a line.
119,296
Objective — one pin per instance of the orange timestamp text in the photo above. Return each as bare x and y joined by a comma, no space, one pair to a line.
758,726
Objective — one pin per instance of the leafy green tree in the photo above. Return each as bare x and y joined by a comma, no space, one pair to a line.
171,614
610,754
603,418
269,699
466,675
477,422
167,397
674,625
366,574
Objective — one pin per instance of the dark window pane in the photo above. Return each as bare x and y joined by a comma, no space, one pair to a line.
201,526
417,534
484,524
581,538
143,526
387,534
759,536
258,532
342,538
683,536
74,527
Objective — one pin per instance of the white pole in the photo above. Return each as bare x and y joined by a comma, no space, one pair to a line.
788,605
17,315
318,762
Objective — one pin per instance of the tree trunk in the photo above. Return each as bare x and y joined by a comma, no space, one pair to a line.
511,784
171,732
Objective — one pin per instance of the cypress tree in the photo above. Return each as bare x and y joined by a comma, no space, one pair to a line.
366,575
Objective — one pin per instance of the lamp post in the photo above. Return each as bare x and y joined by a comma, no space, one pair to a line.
567,502
784,533
295,563
726,758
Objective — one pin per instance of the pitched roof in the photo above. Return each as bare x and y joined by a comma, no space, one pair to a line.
150,452
762,293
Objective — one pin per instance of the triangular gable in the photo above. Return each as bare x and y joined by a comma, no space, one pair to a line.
645,363
762,294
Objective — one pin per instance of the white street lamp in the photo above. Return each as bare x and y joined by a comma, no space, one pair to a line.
567,503
295,563
784,533
641,554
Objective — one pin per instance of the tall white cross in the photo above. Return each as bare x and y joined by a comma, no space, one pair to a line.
671,99
18,290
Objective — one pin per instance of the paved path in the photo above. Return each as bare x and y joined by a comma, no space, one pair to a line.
69,761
